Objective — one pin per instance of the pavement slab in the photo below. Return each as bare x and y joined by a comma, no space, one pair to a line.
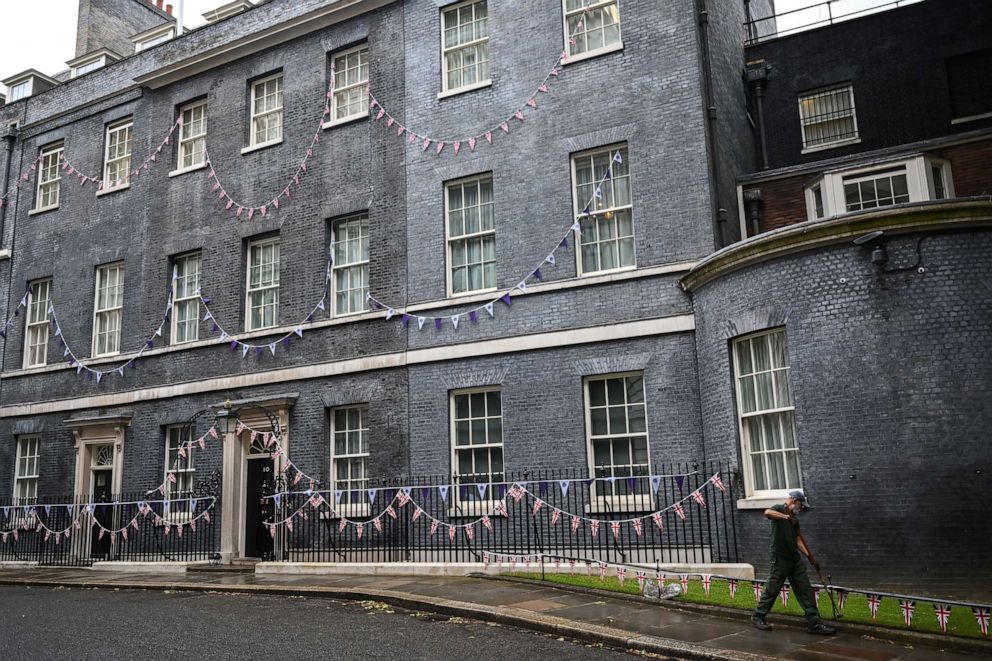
616,621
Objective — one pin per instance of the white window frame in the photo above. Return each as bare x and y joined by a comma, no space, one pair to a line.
154,37
87,66
126,126
28,478
189,297
853,139
613,502
334,120
567,33
187,139
274,286
445,11
474,506
449,240
35,327
20,90
919,182
579,205
346,508
750,492
341,265
256,85
186,469
111,311
49,178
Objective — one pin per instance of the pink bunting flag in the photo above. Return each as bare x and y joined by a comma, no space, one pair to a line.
342,524
203,443
488,523
440,147
400,129
417,513
426,144
543,88
206,517
532,103
411,138
489,137
471,144
470,531
434,524
505,127
537,506
390,121
377,523
360,529
379,114
519,115
457,146
390,511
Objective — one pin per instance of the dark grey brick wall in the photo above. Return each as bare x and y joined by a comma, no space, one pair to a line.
890,374
112,23
896,61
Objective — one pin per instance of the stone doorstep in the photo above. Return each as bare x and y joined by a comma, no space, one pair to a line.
506,615
967,645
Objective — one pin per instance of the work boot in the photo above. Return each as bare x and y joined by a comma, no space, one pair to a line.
821,629
759,622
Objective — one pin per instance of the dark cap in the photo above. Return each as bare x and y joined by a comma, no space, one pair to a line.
798,495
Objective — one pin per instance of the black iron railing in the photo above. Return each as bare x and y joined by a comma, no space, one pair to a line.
707,534
130,527
813,16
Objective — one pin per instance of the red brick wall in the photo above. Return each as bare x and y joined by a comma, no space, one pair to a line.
971,168
785,199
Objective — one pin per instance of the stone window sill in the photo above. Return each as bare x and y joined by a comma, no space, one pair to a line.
192,168
115,189
462,90
334,123
762,502
573,59
264,145
35,212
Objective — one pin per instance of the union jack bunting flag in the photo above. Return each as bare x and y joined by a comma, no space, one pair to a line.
434,525
874,601
758,587
679,510
602,571
360,528
816,597
638,526
342,524
841,599
594,528
981,614
501,509
470,531
660,578
555,515
488,523
621,574
390,511
377,522
707,578
698,497
485,559
718,483
402,498
943,613
537,506
576,522
908,607
684,580
615,528
656,517
732,587
417,513
641,577
451,534
784,593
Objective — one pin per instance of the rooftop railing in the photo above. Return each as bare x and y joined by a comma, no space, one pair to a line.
814,16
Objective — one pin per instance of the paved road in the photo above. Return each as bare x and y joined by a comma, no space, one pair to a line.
76,624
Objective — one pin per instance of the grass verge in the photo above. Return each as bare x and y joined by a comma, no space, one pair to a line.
961,623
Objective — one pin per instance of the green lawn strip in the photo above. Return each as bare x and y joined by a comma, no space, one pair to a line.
961,623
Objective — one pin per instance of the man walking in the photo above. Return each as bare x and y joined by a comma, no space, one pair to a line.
787,563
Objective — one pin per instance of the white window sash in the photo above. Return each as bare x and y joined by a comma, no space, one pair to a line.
567,33
190,299
250,291
188,141
28,449
124,134
341,264
36,329
342,92
49,179
104,317
579,206
813,143
452,239
591,437
446,50
257,94
488,446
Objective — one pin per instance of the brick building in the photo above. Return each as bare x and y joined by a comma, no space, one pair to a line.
639,313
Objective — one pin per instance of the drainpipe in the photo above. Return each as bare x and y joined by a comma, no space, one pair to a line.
720,215
756,75
753,200
7,138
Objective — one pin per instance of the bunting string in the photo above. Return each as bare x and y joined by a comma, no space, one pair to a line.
17,312
144,166
240,209
259,349
81,365
397,312
21,179
424,141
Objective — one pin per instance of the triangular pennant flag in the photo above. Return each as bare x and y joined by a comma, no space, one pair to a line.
874,601
564,484
481,488
908,607
443,491
489,309
943,613
655,483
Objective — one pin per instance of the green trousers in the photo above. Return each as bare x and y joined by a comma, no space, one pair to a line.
794,571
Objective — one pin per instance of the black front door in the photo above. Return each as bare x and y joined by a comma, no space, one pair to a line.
104,514
258,541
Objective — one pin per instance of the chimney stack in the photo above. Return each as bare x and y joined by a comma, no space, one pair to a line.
159,3
168,10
